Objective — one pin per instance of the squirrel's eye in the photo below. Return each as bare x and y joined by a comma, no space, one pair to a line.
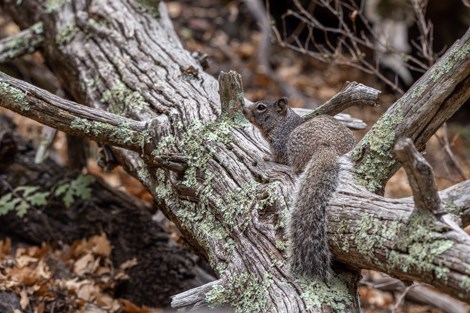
261,107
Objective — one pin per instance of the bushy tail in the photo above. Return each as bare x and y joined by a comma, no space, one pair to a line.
309,252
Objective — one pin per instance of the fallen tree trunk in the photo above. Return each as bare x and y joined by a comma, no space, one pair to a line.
205,167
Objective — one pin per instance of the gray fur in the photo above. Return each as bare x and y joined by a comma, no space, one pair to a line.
312,148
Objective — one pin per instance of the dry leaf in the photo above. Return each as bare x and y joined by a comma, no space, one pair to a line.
40,308
88,291
24,301
128,264
84,265
5,247
43,270
101,247
25,260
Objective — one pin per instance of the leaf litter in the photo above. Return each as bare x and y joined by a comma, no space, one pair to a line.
68,278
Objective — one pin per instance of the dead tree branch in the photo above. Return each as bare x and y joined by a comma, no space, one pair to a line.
26,41
352,94
420,176
417,115
229,203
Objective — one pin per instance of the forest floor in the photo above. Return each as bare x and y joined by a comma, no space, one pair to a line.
229,36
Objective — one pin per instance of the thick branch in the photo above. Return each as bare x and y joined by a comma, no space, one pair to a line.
71,117
456,201
417,115
26,41
230,204
392,236
350,95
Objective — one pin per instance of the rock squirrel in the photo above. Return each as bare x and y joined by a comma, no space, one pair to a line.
311,147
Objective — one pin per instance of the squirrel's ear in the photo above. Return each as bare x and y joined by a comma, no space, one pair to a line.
282,105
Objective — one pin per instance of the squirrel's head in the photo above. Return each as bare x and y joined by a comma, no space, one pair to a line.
267,114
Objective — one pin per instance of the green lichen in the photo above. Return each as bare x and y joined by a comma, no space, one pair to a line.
336,295
163,189
199,143
54,5
143,175
372,233
205,227
465,283
245,293
281,245
89,83
418,245
342,239
193,145
374,170
418,90
415,248
66,34
446,66
149,6
441,69
15,97
23,44
452,208
124,100
121,133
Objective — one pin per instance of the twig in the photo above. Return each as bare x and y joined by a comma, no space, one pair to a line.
352,44
418,293
444,141
47,139
402,297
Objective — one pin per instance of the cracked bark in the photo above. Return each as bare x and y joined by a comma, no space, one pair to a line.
228,202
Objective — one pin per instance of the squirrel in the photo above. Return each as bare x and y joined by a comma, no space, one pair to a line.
311,147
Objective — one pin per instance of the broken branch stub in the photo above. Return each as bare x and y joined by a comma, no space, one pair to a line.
231,92
420,177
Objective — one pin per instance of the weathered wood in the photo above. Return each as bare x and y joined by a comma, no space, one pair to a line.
438,94
231,92
231,205
346,119
26,41
420,176
69,116
392,236
193,297
352,94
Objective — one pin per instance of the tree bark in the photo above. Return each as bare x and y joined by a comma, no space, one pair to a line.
211,180
127,223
